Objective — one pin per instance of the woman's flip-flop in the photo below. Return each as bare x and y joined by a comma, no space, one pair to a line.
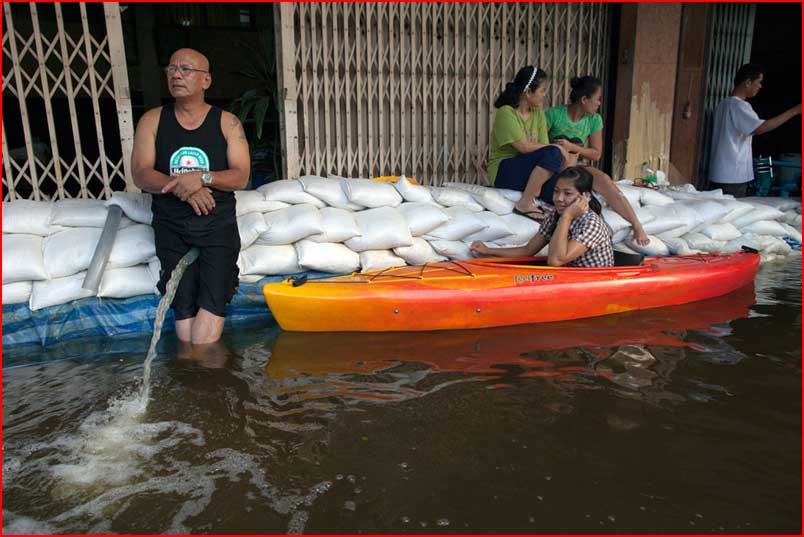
527,214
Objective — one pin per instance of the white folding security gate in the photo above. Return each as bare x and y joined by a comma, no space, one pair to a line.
67,125
374,89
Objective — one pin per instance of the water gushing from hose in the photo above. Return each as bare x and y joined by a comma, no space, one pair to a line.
161,311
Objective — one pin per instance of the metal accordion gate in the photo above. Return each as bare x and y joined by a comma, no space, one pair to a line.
376,89
67,124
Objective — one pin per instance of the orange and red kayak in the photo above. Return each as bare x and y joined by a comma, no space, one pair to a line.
482,293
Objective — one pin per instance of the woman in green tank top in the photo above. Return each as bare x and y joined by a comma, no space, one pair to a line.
578,128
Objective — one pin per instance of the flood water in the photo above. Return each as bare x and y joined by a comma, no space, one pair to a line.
675,420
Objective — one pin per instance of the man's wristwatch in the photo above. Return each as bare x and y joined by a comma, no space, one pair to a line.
206,178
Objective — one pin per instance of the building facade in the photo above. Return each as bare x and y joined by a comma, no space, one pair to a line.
372,89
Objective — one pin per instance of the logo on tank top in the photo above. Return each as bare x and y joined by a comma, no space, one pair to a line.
188,159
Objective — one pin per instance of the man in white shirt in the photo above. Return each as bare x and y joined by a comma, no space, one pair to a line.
731,166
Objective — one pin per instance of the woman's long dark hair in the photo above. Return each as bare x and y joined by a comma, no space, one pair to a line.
582,180
514,90
584,86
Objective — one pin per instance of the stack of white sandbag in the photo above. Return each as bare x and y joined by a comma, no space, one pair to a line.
48,246
343,225
682,220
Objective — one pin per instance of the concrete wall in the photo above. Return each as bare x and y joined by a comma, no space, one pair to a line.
685,148
646,87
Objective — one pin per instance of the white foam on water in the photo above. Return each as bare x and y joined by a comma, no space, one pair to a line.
193,483
11,466
114,446
297,523
115,457
14,524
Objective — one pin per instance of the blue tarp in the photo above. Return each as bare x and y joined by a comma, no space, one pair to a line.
94,316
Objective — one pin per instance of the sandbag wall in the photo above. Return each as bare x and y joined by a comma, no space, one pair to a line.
343,225
48,246
681,221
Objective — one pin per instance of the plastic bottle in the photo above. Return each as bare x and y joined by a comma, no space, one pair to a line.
648,175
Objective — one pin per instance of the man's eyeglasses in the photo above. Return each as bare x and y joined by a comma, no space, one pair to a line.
171,70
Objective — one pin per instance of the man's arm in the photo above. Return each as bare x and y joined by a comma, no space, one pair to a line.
233,178
774,122
237,153
143,154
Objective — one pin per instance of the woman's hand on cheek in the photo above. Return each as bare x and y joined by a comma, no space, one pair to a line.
578,208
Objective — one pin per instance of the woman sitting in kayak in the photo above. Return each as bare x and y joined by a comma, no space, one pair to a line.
577,236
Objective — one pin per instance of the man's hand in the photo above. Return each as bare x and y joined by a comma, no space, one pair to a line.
185,185
202,201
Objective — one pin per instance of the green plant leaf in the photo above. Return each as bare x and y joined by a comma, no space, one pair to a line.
254,105
245,110
260,109
233,105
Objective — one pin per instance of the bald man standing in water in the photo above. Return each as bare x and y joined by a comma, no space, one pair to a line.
192,157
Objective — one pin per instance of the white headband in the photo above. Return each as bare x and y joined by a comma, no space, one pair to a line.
532,76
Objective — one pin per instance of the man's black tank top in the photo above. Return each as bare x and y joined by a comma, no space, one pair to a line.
179,151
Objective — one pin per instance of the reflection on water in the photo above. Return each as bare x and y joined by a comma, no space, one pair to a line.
311,367
682,419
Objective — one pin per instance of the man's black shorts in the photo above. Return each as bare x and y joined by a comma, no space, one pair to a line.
211,281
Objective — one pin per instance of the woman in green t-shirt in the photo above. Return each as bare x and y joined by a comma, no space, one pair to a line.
578,128
520,157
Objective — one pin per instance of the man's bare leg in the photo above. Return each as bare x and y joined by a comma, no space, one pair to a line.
207,327
210,355
184,350
184,329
